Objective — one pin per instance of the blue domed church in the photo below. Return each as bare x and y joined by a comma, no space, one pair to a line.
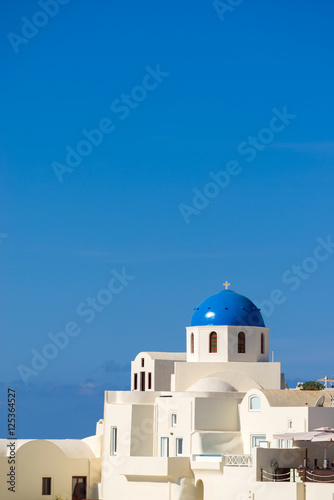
227,327
227,334
200,425
210,423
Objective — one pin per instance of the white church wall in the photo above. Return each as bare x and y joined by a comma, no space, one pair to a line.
141,366
147,478
163,370
142,426
227,344
252,344
216,443
158,468
174,421
130,397
118,416
202,344
269,420
216,414
245,375
233,483
151,371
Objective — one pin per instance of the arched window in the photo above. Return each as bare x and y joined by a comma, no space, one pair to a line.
262,343
213,342
254,403
241,342
192,342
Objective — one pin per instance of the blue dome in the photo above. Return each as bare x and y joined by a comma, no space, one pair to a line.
227,308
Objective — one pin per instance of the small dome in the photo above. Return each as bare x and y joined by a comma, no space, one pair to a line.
211,384
224,382
227,308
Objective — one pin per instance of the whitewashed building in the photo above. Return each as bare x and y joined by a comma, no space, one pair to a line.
200,425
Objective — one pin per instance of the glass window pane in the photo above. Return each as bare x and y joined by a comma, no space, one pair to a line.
113,439
241,343
74,487
179,446
213,342
79,487
256,439
164,447
255,403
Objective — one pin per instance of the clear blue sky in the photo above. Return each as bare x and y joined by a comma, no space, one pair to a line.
181,91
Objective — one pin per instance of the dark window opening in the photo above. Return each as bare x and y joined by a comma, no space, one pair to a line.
46,486
79,487
241,343
142,381
262,343
213,342
192,343
113,441
150,380
142,362
135,381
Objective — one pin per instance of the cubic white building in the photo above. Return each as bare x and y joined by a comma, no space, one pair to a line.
198,425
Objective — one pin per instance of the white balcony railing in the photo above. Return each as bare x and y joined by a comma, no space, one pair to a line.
206,458
234,460
239,460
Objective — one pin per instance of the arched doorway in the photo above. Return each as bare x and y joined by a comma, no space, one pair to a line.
199,490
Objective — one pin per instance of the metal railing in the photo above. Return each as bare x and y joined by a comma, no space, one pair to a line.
277,477
314,477
298,475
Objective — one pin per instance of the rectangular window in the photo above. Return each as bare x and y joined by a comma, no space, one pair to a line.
289,423
46,485
173,419
142,362
149,380
135,381
164,447
113,441
262,343
259,440
285,443
179,446
79,486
